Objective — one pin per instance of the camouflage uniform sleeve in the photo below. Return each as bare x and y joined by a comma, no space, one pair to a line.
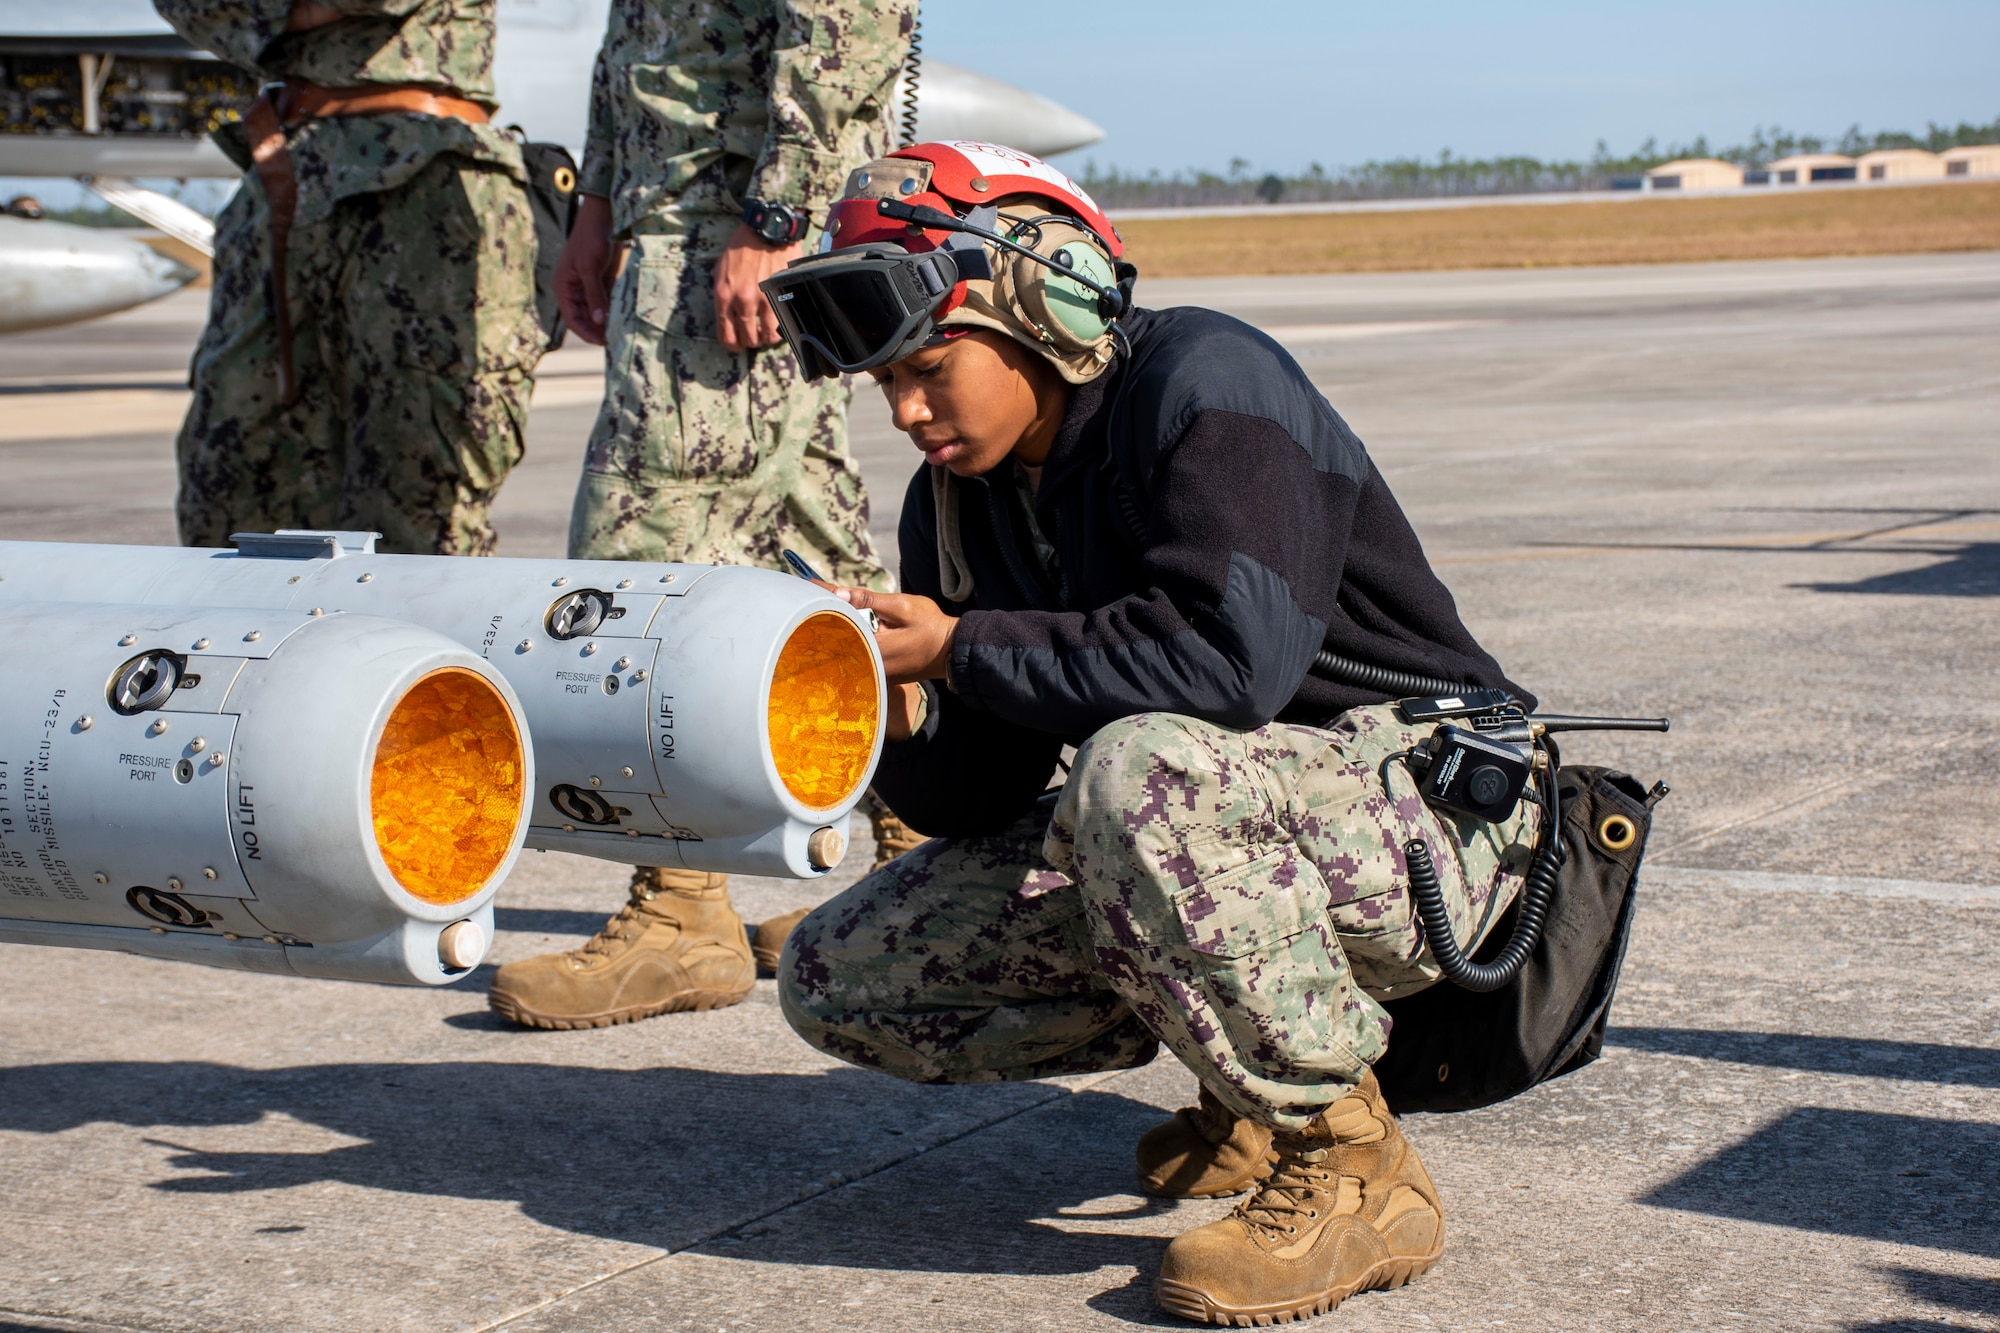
836,62
236,30
599,144
372,8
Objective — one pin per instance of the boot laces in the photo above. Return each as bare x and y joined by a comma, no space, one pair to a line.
1297,1188
616,934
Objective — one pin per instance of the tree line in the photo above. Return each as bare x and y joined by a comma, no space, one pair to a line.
1449,175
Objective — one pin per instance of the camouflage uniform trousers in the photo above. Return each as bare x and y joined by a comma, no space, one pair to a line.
414,339
706,455
1240,896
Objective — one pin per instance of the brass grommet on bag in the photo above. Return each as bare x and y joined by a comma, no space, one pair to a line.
564,179
1615,833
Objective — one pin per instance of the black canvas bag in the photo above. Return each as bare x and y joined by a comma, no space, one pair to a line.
552,197
1452,1049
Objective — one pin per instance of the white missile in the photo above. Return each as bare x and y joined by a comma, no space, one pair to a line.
955,103
316,795
716,718
53,273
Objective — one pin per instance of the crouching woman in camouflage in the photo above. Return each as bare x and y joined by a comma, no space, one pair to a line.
1136,540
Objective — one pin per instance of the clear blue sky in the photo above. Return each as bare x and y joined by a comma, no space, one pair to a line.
1180,83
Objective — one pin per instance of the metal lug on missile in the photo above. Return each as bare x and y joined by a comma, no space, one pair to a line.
318,611
159,727
366,578
208,872
200,644
101,877
128,641
624,584
596,781
620,665
197,745
626,772
215,759
638,675
825,848
253,636
666,578
174,883
560,583
589,649
86,722
461,945
527,645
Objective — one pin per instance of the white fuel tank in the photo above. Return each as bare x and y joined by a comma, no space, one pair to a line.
710,717
323,795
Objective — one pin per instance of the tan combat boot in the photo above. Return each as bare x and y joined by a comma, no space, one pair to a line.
892,838
1204,1152
1348,1207
676,945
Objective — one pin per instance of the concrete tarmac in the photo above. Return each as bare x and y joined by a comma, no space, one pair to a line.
1764,498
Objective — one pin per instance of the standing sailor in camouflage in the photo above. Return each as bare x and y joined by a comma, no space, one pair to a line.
372,330
718,132
1137,540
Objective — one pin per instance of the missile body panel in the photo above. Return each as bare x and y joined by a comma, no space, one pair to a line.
54,273
331,796
710,717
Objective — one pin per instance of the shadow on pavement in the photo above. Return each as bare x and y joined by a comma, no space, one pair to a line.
541,921
1975,1295
662,1157
1925,1062
1972,571
1909,1180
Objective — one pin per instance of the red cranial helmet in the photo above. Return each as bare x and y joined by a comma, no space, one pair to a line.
953,177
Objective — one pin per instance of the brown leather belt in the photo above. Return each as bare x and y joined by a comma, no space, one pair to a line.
281,106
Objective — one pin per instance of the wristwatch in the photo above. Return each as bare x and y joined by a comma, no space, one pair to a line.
779,224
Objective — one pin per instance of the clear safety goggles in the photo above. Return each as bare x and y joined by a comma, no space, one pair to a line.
853,310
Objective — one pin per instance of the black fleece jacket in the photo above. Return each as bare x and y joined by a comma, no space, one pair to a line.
1266,533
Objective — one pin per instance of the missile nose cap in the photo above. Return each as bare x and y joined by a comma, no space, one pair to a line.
825,848
461,945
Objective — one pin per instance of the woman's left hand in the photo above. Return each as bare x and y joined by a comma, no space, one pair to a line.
913,634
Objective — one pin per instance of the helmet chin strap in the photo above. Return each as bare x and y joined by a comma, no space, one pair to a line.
1110,301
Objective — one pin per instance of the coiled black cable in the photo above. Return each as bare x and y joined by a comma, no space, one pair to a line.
1330,665
913,65
1536,893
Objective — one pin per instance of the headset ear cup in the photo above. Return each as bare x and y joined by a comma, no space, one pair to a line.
1069,313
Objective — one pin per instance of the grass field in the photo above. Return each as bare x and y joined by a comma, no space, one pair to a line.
1797,224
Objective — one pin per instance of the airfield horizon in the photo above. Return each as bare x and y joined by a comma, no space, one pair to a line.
1802,223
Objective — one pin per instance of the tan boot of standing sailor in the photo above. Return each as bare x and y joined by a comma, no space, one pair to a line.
678,944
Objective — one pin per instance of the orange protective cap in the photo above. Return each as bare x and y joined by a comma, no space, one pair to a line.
446,789
824,710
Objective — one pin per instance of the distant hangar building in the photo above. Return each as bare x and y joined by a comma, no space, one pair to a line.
1977,160
1899,164
1695,173
1810,168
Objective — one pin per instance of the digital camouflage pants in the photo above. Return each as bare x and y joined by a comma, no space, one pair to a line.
706,455
1240,896
413,339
